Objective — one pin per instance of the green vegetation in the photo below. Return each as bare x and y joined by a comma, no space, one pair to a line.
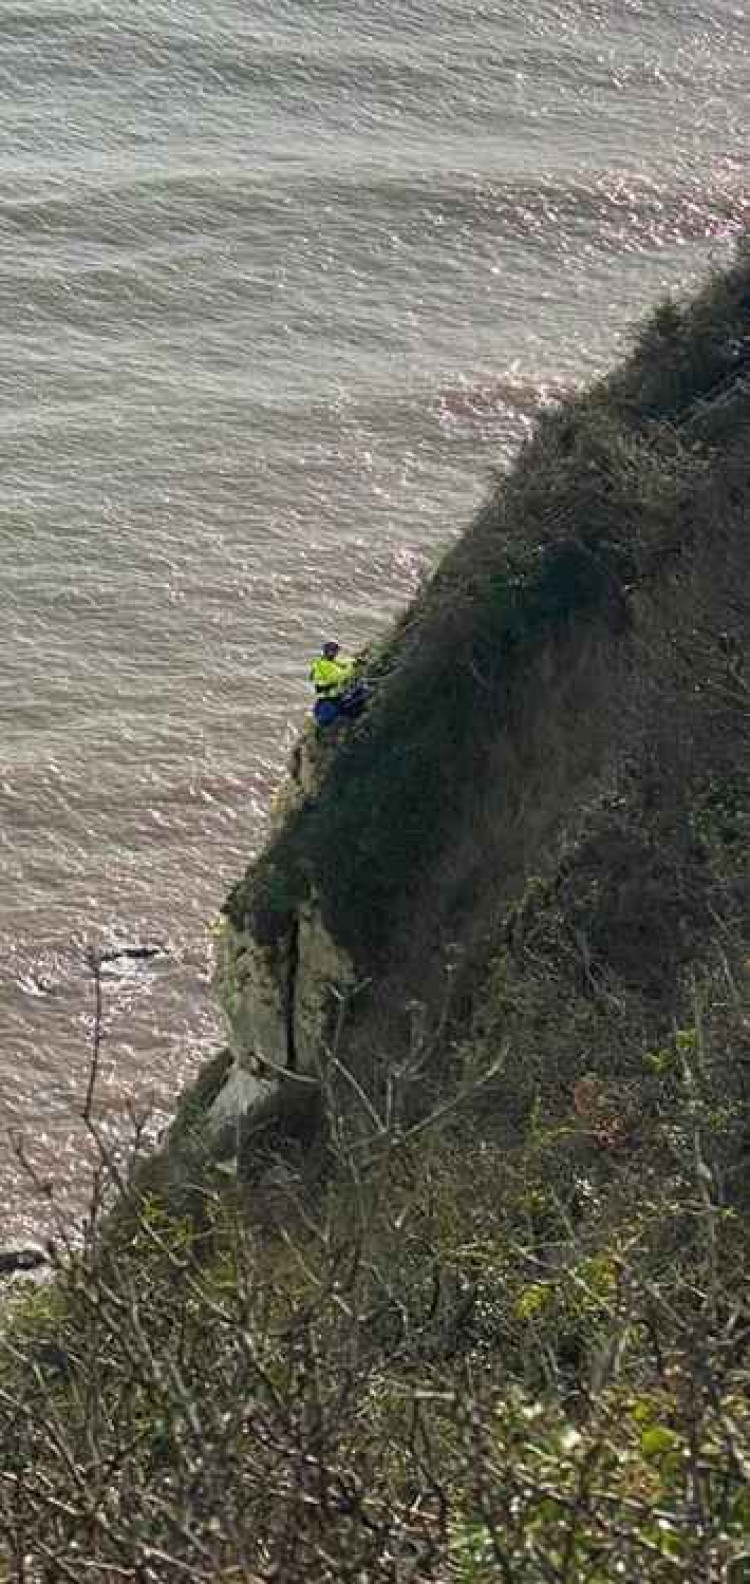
501,1333
612,492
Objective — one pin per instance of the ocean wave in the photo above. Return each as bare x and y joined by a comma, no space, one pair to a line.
131,217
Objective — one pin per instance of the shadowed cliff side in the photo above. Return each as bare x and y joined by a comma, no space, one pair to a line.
515,698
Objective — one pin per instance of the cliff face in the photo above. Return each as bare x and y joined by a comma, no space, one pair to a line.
547,718
486,1087
281,991
487,1080
280,997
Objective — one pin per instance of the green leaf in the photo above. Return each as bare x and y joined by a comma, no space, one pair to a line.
657,1440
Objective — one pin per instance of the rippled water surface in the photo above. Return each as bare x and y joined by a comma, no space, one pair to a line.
280,282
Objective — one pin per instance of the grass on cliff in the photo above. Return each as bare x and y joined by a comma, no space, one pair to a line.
609,496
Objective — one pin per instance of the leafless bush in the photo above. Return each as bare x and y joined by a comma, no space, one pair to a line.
379,1386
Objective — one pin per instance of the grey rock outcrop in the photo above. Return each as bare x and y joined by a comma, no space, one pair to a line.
282,999
22,1257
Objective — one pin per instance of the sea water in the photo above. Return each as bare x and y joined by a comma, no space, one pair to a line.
282,284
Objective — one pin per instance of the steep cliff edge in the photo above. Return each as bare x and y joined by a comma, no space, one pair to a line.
518,704
473,1303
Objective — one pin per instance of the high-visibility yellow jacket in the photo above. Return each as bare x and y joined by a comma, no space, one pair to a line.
331,677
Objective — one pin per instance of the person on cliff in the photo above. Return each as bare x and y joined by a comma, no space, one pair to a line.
337,690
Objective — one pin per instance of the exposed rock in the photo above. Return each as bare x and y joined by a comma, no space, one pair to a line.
324,976
241,1094
252,982
130,953
282,995
281,999
21,1257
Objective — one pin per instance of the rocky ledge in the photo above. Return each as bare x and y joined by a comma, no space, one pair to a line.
281,998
